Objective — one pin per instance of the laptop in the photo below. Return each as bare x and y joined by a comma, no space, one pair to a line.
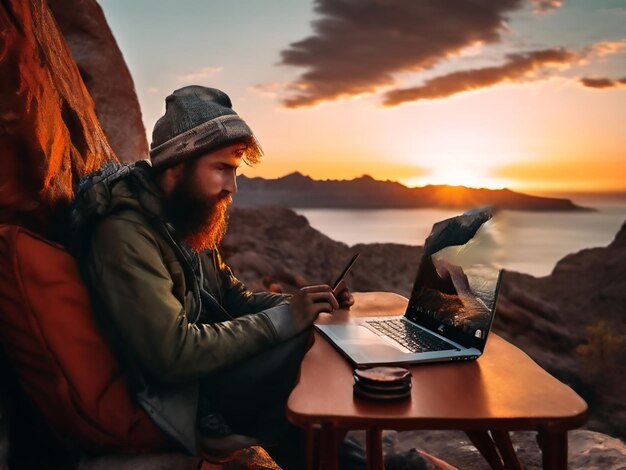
452,304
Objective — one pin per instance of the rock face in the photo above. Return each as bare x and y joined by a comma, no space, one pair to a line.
557,320
586,449
277,245
573,323
105,73
49,132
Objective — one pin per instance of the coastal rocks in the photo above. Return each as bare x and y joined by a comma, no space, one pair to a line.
573,323
386,266
49,132
587,450
591,450
276,244
105,74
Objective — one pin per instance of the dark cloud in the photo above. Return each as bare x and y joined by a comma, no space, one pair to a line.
518,67
359,44
597,82
602,82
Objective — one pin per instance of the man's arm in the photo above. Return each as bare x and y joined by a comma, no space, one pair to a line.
235,297
130,280
238,300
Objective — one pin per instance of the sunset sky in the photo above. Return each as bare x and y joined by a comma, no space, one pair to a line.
525,94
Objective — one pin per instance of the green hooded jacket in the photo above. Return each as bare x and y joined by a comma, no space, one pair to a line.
173,315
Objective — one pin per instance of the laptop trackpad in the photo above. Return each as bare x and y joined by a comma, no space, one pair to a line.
357,336
353,332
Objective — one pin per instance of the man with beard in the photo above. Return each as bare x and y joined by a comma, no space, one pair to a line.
211,362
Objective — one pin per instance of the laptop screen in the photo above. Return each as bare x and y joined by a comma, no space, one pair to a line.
457,279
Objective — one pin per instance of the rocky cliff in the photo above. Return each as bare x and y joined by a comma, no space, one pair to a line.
586,449
277,246
105,74
573,323
49,132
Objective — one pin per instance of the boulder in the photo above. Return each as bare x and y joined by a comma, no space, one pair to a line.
277,244
586,449
49,131
573,323
105,73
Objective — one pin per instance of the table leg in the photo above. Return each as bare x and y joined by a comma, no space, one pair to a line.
312,448
329,448
554,449
505,446
375,449
485,445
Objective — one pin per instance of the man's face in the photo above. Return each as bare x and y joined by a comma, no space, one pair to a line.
197,203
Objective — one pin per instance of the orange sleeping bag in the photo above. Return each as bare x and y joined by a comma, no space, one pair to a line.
63,363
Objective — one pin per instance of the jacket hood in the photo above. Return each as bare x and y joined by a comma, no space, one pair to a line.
112,188
115,186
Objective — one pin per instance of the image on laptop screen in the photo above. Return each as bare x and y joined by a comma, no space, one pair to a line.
457,278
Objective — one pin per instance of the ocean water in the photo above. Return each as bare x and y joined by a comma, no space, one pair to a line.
527,242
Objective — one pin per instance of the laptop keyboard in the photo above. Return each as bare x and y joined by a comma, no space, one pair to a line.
410,336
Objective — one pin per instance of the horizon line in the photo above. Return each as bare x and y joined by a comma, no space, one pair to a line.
526,190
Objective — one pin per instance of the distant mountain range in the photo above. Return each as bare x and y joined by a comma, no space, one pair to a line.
299,191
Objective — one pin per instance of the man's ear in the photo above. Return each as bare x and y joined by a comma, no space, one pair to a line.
170,176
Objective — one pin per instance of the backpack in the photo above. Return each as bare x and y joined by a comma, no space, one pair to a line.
48,332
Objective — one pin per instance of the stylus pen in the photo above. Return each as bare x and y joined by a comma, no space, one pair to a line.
344,272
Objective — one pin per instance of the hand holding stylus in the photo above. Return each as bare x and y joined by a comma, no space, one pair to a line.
313,300
340,290
343,296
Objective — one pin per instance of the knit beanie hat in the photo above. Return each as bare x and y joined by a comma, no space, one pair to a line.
197,120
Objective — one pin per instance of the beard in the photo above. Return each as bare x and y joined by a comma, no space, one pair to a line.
199,220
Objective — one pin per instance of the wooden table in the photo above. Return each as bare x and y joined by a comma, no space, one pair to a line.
504,390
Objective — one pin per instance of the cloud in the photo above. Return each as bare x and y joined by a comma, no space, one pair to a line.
604,48
541,7
201,74
358,45
271,89
517,68
601,83
600,50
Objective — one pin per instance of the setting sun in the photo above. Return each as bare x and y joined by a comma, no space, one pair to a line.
458,176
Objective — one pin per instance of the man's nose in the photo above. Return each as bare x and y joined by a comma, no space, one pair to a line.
230,184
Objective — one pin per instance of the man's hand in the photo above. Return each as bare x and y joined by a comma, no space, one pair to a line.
307,304
343,296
